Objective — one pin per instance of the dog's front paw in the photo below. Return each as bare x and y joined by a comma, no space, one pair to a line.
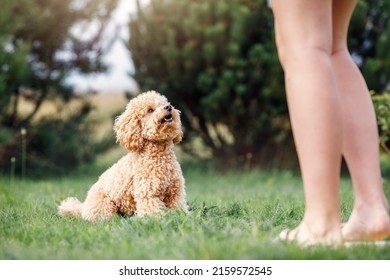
150,207
150,212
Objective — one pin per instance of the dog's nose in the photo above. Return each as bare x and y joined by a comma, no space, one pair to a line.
168,107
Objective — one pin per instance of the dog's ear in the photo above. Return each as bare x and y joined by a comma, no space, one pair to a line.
127,128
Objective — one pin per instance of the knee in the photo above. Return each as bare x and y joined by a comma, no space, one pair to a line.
340,51
291,55
298,51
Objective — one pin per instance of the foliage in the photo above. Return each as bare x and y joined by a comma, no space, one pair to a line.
73,135
234,216
41,43
382,109
369,42
54,145
216,61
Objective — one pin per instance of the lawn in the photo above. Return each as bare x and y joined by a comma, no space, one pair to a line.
235,215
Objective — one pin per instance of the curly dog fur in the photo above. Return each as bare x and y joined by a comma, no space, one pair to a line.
148,179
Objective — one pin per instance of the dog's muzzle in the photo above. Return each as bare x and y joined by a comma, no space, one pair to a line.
169,107
168,117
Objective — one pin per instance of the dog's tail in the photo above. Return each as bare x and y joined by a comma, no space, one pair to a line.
70,207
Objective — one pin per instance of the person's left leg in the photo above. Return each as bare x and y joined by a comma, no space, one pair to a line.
369,219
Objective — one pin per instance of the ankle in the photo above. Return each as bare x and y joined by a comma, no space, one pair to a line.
367,210
324,229
370,200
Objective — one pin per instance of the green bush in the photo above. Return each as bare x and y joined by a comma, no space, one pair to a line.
55,145
216,61
38,51
382,109
369,42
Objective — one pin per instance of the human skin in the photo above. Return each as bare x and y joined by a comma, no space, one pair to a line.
332,116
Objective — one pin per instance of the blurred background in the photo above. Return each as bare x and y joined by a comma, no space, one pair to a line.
68,67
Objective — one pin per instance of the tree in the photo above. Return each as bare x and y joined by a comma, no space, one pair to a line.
216,61
369,42
41,43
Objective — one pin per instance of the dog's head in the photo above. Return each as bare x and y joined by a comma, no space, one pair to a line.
149,117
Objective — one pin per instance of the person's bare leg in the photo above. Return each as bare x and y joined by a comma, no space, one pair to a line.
304,41
369,219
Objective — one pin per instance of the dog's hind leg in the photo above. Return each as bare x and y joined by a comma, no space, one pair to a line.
98,206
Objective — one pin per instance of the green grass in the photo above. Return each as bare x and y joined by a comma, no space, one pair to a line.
235,215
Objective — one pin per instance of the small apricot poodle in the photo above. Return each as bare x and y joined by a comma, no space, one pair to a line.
149,178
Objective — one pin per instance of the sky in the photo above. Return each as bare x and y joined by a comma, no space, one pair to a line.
118,59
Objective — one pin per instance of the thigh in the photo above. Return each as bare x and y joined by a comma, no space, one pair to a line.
301,25
341,13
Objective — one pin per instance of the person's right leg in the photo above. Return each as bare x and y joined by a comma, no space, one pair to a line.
304,41
369,219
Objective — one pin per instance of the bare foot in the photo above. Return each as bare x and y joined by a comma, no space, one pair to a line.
367,224
304,236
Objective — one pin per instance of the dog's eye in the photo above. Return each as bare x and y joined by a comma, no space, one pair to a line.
150,110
